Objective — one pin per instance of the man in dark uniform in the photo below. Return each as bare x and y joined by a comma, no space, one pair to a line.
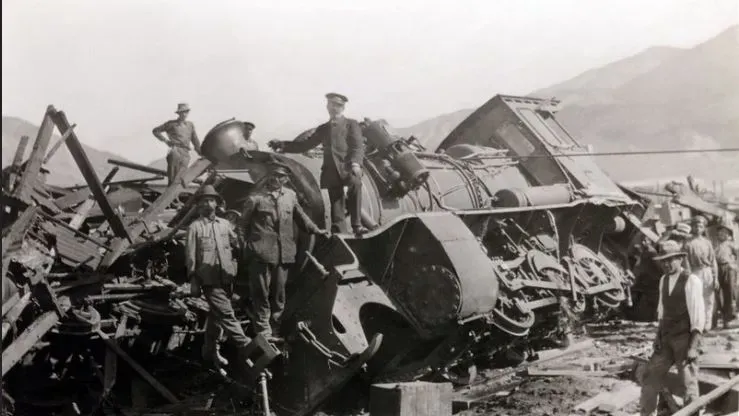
681,317
343,152
180,133
211,266
270,244
250,143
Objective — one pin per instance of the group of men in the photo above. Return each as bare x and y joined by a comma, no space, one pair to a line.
252,256
696,278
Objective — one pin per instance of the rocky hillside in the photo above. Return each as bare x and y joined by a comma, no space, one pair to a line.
64,171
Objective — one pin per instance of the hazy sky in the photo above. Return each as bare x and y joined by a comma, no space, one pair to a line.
118,68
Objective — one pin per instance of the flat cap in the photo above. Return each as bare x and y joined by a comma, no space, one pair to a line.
337,98
249,124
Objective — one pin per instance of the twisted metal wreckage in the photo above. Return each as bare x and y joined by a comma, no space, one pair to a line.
478,249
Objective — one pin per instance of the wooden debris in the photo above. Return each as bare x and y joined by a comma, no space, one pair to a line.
27,339
532,372
708,398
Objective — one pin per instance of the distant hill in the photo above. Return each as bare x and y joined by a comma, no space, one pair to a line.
64,170
661,98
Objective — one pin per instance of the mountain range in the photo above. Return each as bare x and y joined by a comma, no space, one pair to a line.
661,98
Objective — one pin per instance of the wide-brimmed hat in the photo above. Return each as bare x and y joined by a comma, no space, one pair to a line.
725,226
209,190
669,249
182,108
681,230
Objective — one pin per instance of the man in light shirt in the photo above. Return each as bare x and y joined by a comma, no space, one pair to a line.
726,257
681,319
702,261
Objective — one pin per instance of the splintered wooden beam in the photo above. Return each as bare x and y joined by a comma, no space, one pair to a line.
83,163
20,151
714,394
120,245
59,143
15,311
27,340
136,367
33,165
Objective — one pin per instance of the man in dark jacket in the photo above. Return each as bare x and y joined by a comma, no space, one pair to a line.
343,152
268,233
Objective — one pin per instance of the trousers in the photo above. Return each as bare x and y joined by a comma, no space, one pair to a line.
353,198
178,159
673,351
727,280
709,294
267,290
221,317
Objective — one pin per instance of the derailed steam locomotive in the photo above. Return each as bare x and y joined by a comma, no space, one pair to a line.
478,247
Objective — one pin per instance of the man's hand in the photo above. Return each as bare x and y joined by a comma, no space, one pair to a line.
275,145
325,233
356,170
692,354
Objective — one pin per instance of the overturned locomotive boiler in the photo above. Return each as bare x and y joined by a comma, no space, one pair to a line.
478,247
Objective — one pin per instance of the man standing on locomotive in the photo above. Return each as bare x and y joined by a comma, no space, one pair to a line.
681,319
250,143
702,261
211,266
267,224
180,133
343,152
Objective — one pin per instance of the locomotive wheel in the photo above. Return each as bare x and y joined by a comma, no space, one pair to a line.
598,270
509,319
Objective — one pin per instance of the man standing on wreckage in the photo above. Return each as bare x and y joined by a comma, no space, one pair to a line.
180,133
343,151
211,266
681,320
270,248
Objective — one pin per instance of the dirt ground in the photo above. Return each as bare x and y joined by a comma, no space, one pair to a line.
615,344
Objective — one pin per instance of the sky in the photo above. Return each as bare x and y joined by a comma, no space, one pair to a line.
119,67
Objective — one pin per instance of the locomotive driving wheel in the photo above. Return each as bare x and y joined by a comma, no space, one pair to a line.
597,270
509,318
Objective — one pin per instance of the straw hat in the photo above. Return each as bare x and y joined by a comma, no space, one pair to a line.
669,249
182,108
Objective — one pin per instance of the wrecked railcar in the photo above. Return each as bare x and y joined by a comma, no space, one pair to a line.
481,247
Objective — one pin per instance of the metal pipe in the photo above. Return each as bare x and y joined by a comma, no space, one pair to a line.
265,394
136,166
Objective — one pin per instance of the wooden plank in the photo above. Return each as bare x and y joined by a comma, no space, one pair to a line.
83,163
708,398
15,167
27,340
8,304
411,399
138,368
532,372
33,165
14,313
120,245
59,143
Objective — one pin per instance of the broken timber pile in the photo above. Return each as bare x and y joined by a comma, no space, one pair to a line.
81,293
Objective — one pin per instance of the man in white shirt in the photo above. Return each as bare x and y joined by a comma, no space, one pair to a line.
681,318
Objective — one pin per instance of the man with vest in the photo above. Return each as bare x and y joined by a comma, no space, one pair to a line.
726,258
180,133
270,244
343,152
211,267
681,319
702,261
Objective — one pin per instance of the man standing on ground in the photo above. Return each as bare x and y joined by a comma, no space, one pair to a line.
681,319
270,243
343,152
180,133
702,261
211,265
726,258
